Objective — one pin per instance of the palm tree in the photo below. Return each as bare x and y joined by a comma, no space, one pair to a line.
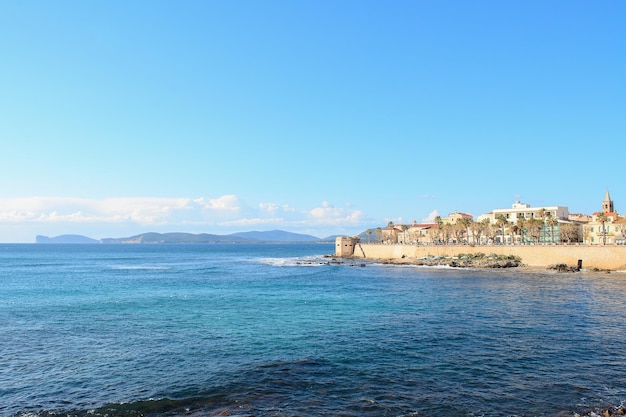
368,232
502,222
534,226
439,223
543,213
477,229
513,229
465,222
458,230
490,230
379,234
521,223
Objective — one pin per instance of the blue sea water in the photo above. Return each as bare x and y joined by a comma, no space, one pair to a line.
282,330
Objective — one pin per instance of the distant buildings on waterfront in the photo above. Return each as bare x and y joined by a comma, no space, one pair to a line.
519,225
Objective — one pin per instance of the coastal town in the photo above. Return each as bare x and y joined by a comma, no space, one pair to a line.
545,237
519,225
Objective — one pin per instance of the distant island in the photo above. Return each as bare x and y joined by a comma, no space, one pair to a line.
273,236
66,239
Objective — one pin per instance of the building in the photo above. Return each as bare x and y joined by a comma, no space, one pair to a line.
605,227
344,246
526,224
525,211
519,225
453,218
423,233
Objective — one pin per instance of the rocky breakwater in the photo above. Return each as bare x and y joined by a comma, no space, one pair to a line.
469,260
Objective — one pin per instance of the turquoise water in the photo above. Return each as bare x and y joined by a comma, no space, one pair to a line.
278,330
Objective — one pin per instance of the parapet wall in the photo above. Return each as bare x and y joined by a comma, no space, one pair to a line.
601,257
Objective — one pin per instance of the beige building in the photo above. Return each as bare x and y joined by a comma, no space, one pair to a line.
605,227
344,246
454,217
423,233
415,233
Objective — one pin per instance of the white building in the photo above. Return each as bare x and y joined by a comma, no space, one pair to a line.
527,212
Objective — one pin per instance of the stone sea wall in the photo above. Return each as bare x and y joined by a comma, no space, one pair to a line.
600,257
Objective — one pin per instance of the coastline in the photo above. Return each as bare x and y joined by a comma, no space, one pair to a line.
587,257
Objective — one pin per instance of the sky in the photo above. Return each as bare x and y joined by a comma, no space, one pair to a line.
318,117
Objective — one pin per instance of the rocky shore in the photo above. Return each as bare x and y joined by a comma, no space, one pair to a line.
470,260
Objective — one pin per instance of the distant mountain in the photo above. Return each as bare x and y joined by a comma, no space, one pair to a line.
175,238
65,239
273,236
276,236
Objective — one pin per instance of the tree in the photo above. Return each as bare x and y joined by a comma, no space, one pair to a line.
542,215
521,224
458,230
465,223
478,228
513,230
446,230
368,232
569,232
490,230
534,227
379,234
502,222
439,223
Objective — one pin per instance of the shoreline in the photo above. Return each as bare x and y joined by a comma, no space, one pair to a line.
444,263
585,257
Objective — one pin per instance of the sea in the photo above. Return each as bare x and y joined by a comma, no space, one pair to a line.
288,330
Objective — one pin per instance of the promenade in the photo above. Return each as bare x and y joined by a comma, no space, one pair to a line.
541,256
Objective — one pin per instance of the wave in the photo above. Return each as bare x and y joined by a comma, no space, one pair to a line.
295,261
140,268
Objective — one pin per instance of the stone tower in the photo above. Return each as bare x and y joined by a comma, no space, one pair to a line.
607,204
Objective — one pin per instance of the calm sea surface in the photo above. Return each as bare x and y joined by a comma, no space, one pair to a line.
275,330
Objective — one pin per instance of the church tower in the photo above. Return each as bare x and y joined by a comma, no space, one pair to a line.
607,204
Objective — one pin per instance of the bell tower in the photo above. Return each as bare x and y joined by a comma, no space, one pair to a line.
607,204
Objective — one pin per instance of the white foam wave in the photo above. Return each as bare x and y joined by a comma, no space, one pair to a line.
415,266
140,267
296,261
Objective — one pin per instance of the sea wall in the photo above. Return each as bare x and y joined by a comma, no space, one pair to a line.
601,257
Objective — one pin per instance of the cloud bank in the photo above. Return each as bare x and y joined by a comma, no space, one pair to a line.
225,214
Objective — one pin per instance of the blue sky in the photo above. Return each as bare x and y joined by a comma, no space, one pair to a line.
319,117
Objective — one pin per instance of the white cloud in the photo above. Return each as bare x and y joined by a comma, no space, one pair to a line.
225,214
226,202
141,210
253,222
273,207
431,217
329,215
